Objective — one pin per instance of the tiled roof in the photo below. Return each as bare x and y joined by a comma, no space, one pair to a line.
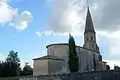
101,61
68,44
57,44
48,57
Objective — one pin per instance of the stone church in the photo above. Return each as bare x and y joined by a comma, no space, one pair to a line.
56,60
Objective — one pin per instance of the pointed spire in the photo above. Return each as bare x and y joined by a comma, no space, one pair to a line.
89,24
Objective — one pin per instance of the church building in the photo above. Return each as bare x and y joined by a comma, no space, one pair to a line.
56,60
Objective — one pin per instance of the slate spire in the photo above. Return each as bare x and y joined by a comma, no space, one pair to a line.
89,27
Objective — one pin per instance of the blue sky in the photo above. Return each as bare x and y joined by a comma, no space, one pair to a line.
28,26
26,42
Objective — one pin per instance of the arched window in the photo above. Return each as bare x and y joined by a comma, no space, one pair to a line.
86,39
91,38
92,45
100,57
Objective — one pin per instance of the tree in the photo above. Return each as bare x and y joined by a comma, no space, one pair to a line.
11,67
116,67
27,70
107,67
73,58
13,57
1,67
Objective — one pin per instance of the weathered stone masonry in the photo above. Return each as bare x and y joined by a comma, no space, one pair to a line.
98,75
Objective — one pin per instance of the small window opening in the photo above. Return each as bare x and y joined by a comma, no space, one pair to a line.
92,45
91,38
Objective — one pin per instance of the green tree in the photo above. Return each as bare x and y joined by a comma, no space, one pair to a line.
11,67
27,70
1,67
107,67
116,67
13,57
73,58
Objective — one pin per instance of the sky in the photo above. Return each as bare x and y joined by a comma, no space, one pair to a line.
28,26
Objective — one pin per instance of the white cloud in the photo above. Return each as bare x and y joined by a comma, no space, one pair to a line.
30,62
111,63
11,16
5,1
114,39
65,18
51,33
25,19
70,17
22,25
7,13
38,33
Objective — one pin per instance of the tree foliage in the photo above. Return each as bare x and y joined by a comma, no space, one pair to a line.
11,66
107,67
27,70
116,67
73,58
13,57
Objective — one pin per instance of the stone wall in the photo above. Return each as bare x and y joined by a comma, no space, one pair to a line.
99,75
56,66
40,67
60,51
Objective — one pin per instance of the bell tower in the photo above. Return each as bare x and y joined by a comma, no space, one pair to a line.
90,34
